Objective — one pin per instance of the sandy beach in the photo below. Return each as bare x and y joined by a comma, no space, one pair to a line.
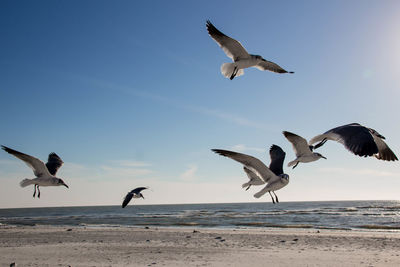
79,246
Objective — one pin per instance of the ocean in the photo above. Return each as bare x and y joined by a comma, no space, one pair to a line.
347,215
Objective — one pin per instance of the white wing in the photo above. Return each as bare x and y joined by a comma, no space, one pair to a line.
299,144
38,167
231,47
252,163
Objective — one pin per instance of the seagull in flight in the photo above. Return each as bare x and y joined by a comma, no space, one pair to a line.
360,140
241,58
304,152
135,193
274,177
277,156
45,173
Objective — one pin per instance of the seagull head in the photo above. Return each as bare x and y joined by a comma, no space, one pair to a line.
61,182
319,155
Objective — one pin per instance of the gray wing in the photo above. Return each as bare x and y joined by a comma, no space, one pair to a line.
38,167
231,47
299,144
277,158
54,162
355,138
252,163
271,66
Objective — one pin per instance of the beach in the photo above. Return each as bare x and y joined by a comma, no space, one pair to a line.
152,246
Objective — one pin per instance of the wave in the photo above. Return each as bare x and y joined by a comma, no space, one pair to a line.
263,224
383,227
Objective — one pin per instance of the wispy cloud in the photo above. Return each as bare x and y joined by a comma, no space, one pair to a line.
243,148
118,169
189,174
131,163
219,114
229,117
369,172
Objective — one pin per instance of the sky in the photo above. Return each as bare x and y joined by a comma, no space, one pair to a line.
129,93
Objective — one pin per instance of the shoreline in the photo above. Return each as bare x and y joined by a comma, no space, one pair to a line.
193,246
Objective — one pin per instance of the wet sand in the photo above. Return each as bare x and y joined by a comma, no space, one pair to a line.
79,246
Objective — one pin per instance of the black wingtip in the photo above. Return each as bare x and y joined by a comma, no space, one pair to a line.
286,133
6,149
218,151
291,72
221,152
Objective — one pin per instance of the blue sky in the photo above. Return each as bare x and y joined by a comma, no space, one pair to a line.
129,93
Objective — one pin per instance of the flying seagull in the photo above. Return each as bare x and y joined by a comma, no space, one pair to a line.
277,157
45,174
360,140
241,59
135,193
302,150
274,182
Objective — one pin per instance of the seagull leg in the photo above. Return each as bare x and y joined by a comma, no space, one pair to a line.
273,201
248,187
297,163
234,73
276,197
34,192
38,191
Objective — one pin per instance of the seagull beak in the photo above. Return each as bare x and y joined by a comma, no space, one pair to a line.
65,185
323,157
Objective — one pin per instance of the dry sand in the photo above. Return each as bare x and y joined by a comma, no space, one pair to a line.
79,246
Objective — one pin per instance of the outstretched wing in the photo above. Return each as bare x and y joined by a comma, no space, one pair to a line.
252,163
356,138
38,167
54,162
231,47
271,66
299,144
277,158
128,198
138,190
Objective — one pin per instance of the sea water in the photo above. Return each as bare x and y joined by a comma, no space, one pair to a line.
378,215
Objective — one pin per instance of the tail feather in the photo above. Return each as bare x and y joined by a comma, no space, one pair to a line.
262,192
228,68
25,182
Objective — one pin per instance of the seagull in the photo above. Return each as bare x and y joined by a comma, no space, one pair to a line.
44,173
135,193
241,58
360,140
274,182
302,150
277,157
